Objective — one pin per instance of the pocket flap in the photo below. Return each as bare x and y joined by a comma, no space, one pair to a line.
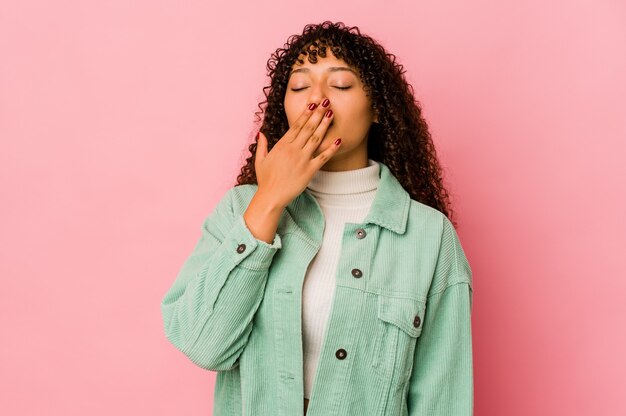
407,314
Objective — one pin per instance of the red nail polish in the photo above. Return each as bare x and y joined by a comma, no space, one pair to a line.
338,141
312,106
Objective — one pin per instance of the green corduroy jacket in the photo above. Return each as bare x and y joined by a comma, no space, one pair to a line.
398,340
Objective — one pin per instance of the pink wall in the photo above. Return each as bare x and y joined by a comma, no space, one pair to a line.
122,123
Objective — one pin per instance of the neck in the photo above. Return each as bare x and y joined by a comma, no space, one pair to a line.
349,188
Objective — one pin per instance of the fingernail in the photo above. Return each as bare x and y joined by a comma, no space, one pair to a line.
257,136
312,106
325,103
329,113
338,141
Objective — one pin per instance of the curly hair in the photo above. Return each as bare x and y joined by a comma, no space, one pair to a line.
400,139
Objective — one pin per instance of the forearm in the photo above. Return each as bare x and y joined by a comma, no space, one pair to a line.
208,311
262,216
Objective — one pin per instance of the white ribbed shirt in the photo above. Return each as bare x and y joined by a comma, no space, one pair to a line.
344,196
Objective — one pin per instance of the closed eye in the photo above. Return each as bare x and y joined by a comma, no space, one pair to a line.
304,88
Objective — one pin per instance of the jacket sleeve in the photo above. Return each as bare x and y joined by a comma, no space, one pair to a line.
208,311
441,382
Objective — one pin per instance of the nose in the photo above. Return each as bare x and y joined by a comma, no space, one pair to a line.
317,94
317,99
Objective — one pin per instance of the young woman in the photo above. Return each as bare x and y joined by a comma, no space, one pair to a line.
331,271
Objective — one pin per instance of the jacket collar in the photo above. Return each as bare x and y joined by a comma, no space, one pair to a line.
389,209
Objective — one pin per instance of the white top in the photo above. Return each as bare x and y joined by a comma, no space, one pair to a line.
344,197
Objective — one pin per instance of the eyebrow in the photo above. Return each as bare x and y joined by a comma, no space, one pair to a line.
330,69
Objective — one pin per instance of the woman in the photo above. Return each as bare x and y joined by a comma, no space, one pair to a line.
331,270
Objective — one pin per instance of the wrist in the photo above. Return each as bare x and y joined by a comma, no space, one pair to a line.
267,203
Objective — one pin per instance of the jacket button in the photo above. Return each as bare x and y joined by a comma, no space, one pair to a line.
416,321
341,353
357,273
360,233
241,248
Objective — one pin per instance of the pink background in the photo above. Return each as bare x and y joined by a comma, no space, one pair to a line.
122,123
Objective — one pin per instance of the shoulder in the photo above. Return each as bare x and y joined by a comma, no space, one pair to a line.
242,194
231,203
443,241
432,220
237,198
426,221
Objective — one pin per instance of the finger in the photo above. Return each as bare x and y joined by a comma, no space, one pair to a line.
310,126
319,161
319,134
300,122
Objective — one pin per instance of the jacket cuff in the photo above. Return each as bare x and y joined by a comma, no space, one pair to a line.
248,251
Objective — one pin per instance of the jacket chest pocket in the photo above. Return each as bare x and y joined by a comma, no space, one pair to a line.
398,327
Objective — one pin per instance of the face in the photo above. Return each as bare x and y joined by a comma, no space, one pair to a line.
332,78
